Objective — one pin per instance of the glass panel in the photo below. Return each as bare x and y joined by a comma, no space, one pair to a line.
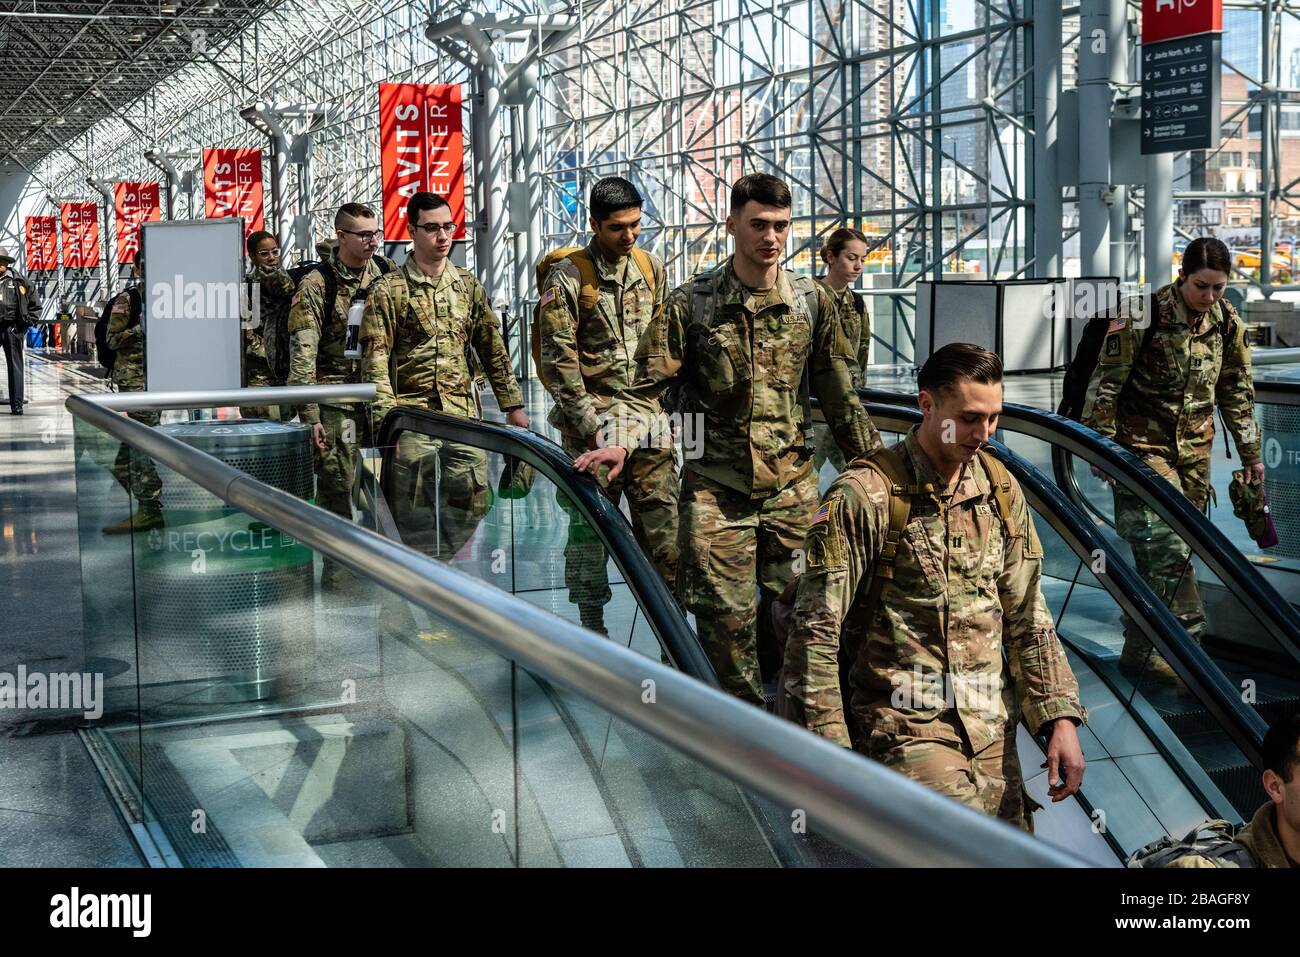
1208,607
498,519
286,723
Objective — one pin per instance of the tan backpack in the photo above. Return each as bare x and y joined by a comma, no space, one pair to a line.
588,291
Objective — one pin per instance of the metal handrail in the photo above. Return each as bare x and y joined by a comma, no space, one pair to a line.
1205,679
1273,613
870,809
345,394
652,594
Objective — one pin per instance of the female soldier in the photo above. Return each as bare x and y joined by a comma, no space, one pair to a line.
1154,391
845,254
266,358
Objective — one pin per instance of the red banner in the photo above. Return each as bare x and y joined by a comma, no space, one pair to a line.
80,235
42,235
1170,19
135,203
232,186
422,148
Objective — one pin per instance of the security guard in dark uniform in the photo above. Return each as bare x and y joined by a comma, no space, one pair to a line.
18,308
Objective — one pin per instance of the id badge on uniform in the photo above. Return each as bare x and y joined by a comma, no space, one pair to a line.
352,341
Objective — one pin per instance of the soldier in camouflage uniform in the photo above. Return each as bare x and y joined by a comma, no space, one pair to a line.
274,292
1155,395
587,361
845,255
738,340
134,471
917,645
316,355
420,326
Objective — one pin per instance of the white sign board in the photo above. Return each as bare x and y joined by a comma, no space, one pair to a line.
193,283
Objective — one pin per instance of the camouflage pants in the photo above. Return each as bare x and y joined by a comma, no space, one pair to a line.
989,781
440,493
732,546
336,464
1160,556
649,480
135,471
257,374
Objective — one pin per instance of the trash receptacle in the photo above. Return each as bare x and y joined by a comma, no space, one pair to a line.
226,603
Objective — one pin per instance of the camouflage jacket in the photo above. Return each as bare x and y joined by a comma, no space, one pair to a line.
128,342
419,333
1160,404
857,329
18,301
739,357
1260,840
592,357
316,342
929,662
275,290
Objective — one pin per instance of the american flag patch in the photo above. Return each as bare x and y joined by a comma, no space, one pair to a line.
823,513
1116,324
547,296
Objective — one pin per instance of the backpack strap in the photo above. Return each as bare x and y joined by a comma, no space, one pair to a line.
645,265
1000,482
891,466
808,289
331,290
589,282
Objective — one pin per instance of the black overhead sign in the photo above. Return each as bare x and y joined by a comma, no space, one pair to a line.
1180,94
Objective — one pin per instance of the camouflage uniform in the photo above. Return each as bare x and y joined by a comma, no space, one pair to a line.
929,692
739,356
592,358
316,346
134,472
1259,838
858,331
275,290
419,333
1160,405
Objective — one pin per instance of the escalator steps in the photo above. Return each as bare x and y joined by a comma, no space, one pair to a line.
1242,787
1200,721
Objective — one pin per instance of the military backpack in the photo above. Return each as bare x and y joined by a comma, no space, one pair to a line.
103,351
301,271
1216,841
588,292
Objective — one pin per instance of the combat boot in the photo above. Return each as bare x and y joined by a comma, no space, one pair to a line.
1139,662
146,517
593,618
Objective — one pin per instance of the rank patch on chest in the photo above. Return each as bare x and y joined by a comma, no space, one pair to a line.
957,542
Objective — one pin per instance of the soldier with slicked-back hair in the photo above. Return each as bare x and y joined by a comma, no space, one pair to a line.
919,635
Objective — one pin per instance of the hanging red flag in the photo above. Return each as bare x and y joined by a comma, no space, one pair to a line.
232,186
135,203
421,149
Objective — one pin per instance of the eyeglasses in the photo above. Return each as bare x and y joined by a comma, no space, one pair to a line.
272,253
365,235
430,228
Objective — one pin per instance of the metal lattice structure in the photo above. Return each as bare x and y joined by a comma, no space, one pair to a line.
910,119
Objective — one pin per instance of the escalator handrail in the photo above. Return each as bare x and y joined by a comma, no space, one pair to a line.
1273,613
1205,680
872,810
662,612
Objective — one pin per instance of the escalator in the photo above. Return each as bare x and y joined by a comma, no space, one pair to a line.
435,720
453,705
1148,775
1253,633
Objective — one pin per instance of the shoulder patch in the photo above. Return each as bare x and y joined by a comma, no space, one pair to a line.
547,297
825,548
1116,324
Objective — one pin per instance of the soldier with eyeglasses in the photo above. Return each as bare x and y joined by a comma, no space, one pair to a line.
324,348
426,328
